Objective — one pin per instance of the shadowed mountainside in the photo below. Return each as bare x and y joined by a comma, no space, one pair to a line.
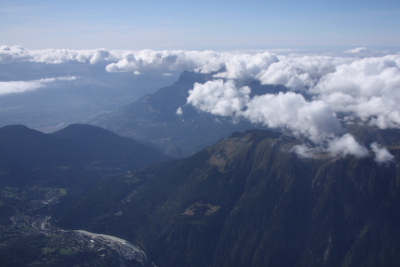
26,152
250,201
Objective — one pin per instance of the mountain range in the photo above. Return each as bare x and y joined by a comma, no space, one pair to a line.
28,154
249,200
227,194
153,118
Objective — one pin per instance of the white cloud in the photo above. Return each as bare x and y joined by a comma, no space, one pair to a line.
246,66
179,111
297,73
314,120
357,50
25,86
288,110
305,151
149,60
368,88
219,97
58,56
382,155
339,146
347,145
291,111
100,55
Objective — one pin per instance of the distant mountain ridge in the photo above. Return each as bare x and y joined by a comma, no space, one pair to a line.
250,201
24,149
153,118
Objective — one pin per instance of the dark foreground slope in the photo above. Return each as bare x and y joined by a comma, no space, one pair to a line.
41,173
153,118
250,201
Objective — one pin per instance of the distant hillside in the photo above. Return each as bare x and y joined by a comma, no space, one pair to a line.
153,118
26,152
249,201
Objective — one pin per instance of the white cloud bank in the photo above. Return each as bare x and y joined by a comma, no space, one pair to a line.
357,84
315,119
366,89
284,110
25,86
58,56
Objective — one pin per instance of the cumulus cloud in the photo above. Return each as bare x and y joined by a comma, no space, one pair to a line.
382,155
148,60
100,55
347,145
235,66
25,86
369,88
58,56
219,97
297,73
179,111
291,111
288,111
338,146
285,110
246,66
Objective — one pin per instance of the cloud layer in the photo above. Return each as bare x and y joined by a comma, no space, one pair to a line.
325,90
58,56
315,119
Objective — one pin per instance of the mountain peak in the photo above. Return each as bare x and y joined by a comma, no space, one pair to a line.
18,128
81,131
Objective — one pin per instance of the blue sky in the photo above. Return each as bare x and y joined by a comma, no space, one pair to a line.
198,24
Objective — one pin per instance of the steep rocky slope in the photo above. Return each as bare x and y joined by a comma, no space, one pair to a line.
250,201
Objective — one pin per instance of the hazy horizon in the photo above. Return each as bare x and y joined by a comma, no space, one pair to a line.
221,25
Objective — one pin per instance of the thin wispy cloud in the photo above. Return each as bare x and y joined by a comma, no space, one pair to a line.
14,87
